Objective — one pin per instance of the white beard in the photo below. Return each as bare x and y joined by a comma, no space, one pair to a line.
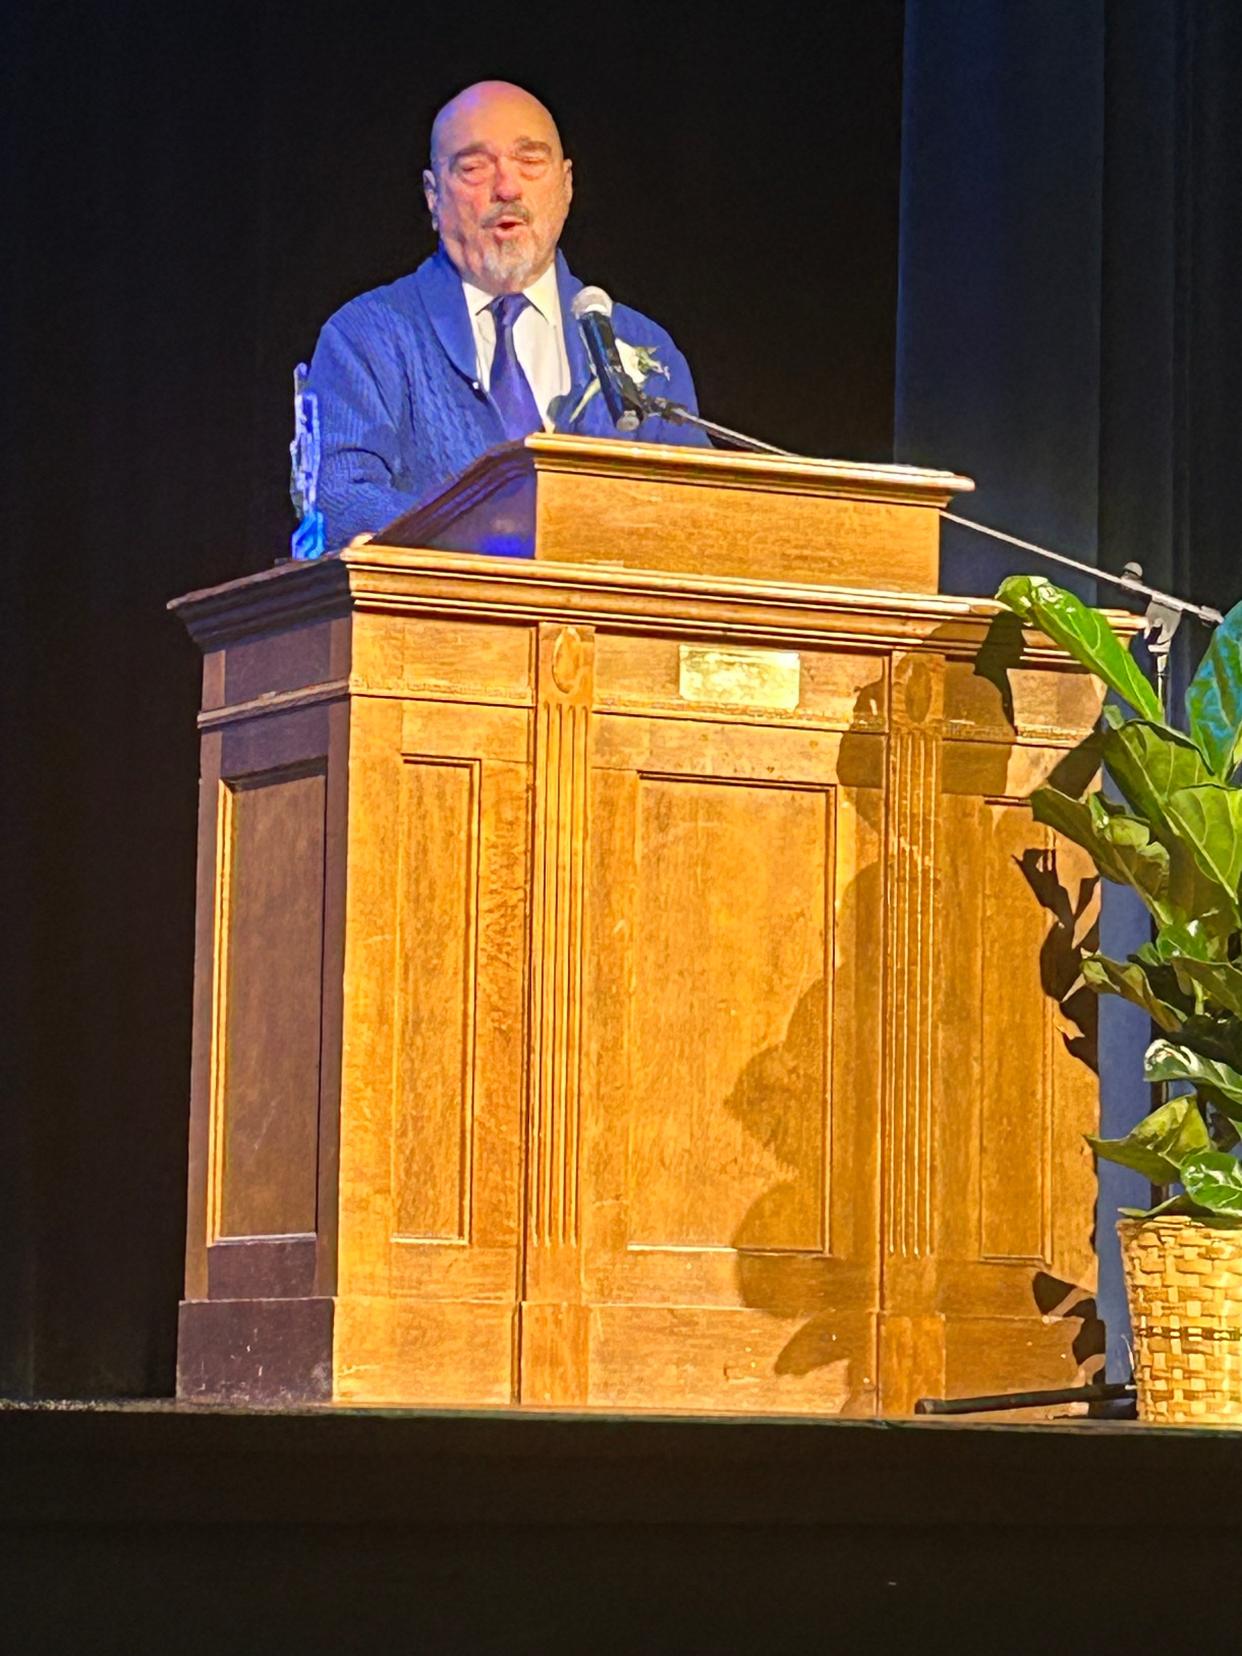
507,262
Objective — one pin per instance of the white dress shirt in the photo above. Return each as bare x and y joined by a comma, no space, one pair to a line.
538,340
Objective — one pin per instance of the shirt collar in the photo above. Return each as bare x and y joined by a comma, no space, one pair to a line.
542,294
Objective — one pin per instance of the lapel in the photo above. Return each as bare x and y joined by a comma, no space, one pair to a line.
440,289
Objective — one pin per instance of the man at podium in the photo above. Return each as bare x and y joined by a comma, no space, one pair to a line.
478,345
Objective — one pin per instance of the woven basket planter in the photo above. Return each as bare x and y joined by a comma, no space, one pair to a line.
1184,1284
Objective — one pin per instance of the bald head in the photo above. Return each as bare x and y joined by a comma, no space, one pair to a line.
499,186
488,101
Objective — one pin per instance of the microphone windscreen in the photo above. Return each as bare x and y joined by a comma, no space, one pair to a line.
591,301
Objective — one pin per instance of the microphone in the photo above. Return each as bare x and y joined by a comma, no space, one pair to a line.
592,311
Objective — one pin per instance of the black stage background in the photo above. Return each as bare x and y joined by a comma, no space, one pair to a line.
192,190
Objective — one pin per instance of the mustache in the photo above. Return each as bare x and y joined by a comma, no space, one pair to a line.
509,210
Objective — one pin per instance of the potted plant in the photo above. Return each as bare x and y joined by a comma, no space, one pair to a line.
1166,820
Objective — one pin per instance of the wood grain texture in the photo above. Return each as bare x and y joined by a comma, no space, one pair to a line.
1012,1061
730,958
654,507
257,925
910,953
552,1351
436,966
561,757
397,1348
676,1038
738,1360
700,527
269,953
434,1053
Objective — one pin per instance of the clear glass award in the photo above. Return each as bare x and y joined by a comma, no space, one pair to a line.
309,539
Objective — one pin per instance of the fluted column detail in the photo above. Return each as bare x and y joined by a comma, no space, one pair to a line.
564,692
913,794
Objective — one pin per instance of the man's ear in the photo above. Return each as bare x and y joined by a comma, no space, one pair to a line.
569,180
429,195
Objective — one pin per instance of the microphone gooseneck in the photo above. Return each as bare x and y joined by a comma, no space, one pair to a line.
628,406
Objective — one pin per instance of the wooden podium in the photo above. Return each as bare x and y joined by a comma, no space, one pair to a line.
630,976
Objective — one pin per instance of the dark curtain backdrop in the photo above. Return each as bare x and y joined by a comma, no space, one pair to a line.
190,191
1069,331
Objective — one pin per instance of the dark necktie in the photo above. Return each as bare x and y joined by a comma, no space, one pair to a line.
511,392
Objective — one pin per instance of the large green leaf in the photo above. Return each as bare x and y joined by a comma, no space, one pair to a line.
1142,861
1219,1038
1191,892
1209,820
1195,939
1219,980
1161,1142
1121,846
1180,1204
1149,762
1171,1061
1214,698
1164,980
1213,1180
1085,633
1131,982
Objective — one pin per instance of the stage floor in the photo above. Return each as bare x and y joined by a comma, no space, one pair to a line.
152,1526
169,1462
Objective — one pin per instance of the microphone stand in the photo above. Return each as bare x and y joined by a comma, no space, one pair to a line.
675,414
1164,611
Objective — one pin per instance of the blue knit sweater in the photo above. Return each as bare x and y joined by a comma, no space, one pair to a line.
400,409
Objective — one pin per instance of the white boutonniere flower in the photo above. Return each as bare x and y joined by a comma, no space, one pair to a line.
640,363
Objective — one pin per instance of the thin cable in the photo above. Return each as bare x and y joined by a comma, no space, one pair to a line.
1128,583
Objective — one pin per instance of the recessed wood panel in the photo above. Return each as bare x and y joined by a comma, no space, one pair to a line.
433,1105
435,984
1011,1055
728,1069
270,968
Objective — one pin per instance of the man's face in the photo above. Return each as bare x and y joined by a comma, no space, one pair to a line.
498,188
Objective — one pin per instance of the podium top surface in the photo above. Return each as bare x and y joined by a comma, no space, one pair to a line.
692,509
544,455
